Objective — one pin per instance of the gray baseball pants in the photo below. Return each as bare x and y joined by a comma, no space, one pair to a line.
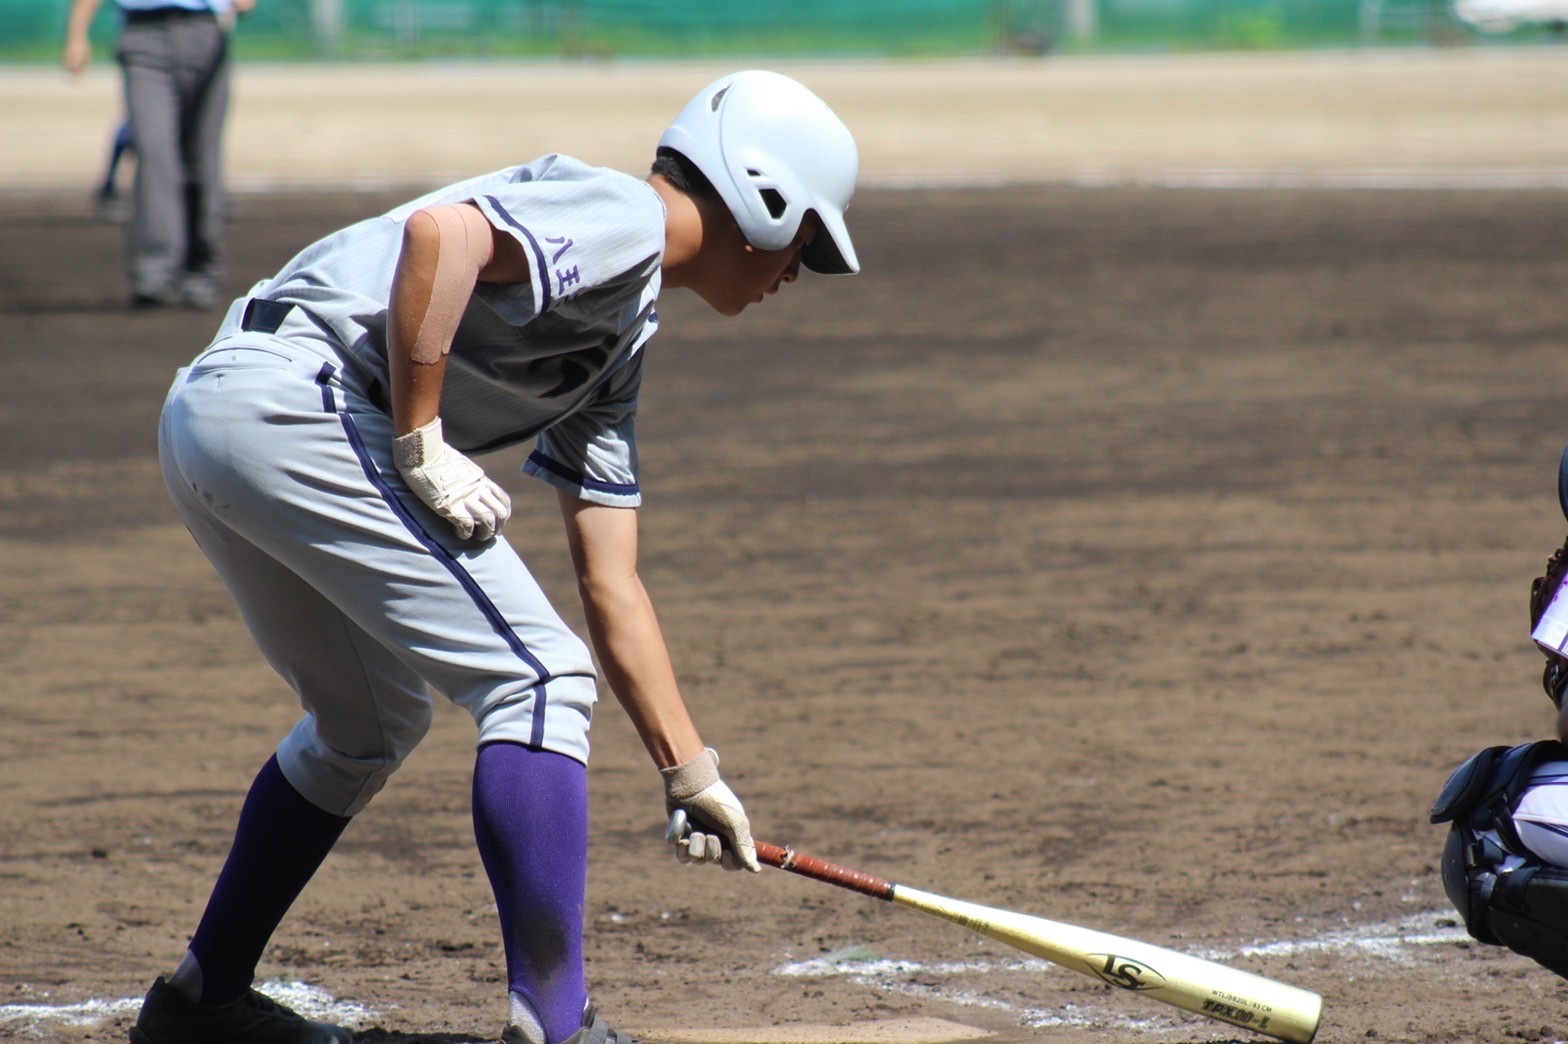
357,593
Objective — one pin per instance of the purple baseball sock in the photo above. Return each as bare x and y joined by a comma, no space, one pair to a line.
280,842
531,822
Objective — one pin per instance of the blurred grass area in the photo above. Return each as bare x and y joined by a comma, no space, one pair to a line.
370,46
383,30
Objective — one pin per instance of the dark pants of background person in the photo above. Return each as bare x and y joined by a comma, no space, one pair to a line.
176,68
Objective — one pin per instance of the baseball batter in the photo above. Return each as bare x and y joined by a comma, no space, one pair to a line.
320,452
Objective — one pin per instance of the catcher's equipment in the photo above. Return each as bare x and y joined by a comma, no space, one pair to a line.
1549,621
1506,893
773,151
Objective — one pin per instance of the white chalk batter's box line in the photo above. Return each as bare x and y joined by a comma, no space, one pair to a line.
32,1020
1388,941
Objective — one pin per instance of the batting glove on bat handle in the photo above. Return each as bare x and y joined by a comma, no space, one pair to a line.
721,832
450,484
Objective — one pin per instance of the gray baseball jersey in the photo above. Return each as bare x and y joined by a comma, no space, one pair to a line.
276,447
528,357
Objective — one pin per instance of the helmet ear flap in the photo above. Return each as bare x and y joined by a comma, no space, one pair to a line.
774,200
768,192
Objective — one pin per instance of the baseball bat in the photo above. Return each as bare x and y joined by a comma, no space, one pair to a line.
1205,987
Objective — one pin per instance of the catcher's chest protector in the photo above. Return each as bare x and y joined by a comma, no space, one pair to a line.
1523,906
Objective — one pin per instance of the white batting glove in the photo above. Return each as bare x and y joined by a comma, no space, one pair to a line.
453,486
722,832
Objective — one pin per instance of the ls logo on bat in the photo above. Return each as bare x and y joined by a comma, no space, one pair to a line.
1125,972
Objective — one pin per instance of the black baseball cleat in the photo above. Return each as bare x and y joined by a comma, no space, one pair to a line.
594,1031
168,1018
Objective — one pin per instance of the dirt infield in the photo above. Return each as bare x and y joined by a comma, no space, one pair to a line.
1141,558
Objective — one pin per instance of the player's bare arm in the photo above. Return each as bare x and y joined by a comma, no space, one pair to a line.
78,52
636,662
625,629
446,251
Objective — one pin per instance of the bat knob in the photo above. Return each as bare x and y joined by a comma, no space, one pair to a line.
678,826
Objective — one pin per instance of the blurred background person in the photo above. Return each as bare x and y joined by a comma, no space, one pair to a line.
175,58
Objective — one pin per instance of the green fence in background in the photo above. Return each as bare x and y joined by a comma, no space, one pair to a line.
380,29
645,28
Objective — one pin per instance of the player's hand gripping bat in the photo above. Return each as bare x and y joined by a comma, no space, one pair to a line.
1239,998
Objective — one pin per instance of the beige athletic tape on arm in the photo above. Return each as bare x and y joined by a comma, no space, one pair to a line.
463,248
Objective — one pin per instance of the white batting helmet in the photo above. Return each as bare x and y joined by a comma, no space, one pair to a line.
774,151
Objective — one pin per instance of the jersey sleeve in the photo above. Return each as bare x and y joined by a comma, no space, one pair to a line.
577,234
592,454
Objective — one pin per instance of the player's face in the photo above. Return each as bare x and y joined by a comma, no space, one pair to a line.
758,273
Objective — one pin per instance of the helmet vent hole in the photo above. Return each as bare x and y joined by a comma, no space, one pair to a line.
773,199
718,96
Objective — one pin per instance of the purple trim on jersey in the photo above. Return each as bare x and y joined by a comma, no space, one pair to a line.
544,270
620,489
439,553
541,700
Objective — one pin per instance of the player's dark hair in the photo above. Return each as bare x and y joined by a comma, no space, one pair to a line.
682,173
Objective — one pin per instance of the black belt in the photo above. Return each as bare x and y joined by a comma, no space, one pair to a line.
164,14
264,316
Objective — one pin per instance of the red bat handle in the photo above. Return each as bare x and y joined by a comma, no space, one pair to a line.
822,870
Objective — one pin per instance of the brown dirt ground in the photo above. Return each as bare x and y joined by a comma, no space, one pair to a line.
1138,558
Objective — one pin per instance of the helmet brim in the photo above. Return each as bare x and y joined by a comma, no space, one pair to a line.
830,252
